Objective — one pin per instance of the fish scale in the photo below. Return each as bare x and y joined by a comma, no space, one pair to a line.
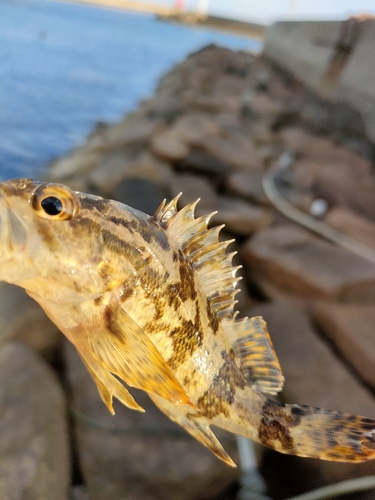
149,302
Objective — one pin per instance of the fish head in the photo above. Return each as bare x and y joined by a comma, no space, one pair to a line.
50,243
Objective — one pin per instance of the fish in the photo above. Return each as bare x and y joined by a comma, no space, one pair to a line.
149,302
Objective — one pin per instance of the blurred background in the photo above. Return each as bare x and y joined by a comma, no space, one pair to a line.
265,110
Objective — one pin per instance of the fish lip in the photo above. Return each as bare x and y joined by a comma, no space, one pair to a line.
13,234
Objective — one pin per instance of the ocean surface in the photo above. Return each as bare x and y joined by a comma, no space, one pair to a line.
64,67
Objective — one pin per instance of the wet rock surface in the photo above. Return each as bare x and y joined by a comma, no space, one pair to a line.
219,122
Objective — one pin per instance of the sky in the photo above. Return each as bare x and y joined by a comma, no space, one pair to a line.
268,11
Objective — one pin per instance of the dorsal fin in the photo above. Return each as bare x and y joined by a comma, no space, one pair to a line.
203,250
253,346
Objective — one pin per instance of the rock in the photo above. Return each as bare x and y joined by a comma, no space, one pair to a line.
139,193
210,103
352,191
314,376
305,172
203,162
190,128
193,187
34,439
290,260
79,161
22,319
248,185
239,152
169,146
118,165
264,104
140,456
322,148
79,493
354,225
240,217
134,128
351,328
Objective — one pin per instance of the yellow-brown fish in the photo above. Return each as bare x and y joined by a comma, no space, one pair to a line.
150,300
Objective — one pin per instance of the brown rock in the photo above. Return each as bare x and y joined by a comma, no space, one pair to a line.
190,128
234,150
134,128
240,217
354,225
305,172
119,165
140,456
34,439
169,146
248,185
201,161
349,190
314,376
22,319
322,148
210,103
351,328
289,259
193,187
79,161
263,104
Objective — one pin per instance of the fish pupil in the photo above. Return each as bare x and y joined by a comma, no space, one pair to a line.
52,205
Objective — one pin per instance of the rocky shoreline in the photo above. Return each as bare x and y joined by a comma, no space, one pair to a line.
218,122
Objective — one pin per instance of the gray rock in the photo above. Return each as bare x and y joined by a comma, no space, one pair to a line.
34,440
143,194
22,319
140,456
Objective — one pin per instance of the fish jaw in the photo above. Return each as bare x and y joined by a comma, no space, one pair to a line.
13,241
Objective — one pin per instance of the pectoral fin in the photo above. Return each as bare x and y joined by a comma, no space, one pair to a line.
126,351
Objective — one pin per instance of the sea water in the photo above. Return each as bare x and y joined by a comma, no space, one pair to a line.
65,67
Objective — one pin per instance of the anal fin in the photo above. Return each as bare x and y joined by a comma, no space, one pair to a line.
253,346
108,385
196,426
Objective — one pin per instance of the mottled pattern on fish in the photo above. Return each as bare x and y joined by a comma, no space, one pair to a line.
150,300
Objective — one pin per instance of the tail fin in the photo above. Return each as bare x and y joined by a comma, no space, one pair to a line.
330,435
304,431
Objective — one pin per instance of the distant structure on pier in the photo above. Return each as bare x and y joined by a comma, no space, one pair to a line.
178,12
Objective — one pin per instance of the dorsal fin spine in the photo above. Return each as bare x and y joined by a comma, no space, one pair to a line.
166,210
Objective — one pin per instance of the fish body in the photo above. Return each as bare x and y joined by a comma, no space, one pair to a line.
150,300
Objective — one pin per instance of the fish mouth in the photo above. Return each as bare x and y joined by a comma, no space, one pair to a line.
13,235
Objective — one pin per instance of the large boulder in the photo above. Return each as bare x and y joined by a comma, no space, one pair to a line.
34,439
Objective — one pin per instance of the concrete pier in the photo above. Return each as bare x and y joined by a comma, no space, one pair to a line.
335,59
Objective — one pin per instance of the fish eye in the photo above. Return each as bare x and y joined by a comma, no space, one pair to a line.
52,205
55,202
